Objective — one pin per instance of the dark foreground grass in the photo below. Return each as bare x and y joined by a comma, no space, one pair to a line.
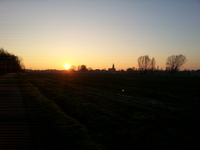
50,127
153,112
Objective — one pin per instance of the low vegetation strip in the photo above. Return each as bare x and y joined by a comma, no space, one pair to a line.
50,127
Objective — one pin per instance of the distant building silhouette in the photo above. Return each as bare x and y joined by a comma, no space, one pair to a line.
112,69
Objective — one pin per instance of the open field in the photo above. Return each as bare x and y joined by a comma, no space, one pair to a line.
112,111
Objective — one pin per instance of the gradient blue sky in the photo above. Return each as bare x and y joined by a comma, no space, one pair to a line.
49,33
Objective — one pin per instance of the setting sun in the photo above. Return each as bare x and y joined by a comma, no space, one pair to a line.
67,66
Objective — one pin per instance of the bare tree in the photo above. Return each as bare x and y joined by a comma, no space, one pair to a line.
145,64
90,68
174,62
153,65
79,68
73,68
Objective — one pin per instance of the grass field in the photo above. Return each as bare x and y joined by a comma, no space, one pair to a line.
112,111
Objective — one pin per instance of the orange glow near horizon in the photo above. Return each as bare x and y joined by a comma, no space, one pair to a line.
82,33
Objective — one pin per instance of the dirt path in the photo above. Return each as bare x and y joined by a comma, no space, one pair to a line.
13,127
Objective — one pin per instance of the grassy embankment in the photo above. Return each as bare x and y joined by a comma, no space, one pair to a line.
159,112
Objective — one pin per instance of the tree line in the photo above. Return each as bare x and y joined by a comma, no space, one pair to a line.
10,63
145,64
173,63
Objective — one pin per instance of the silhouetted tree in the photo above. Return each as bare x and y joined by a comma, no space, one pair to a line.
83,68
10,63
90,68
129,70
78,68
174,62
153,65
73,68
145,64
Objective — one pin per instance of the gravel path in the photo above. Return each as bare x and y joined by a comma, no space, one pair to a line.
14,132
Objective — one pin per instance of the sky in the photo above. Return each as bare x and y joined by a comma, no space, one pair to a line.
97,33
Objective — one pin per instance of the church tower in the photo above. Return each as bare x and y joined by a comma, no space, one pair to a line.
112,69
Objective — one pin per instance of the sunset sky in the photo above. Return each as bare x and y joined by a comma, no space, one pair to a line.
97,33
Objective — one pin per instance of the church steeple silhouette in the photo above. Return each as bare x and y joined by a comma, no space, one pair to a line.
112,69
